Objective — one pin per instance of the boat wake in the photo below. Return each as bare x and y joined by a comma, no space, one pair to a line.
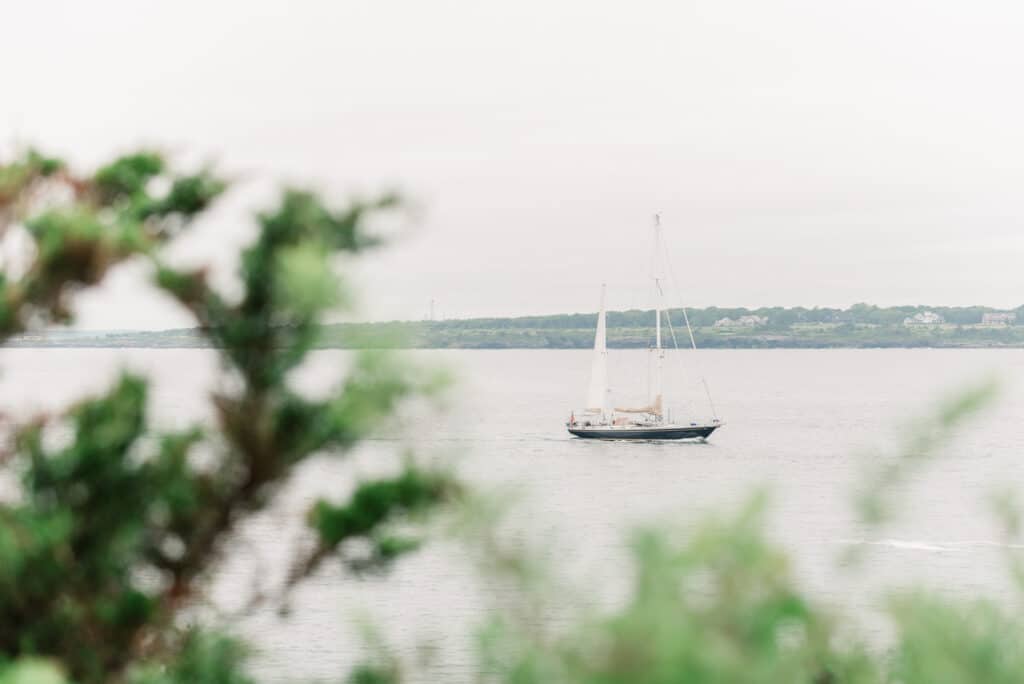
930,546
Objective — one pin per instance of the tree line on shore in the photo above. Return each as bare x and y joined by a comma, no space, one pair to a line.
777,317
861,325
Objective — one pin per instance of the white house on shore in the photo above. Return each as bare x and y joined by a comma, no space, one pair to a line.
924,319
741,322
998,319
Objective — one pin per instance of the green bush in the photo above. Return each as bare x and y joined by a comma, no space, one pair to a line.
99,517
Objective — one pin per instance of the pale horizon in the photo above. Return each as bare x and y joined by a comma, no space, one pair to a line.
800,155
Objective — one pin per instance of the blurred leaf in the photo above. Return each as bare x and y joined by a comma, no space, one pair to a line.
370,674
377,502
31,671
943,641
127,176
204,659
876,498
308,283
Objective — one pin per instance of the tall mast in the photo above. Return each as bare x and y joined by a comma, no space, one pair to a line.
658,276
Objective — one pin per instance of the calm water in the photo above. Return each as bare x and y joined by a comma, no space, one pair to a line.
798,422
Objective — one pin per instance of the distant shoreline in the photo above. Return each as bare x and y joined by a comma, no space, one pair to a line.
861,326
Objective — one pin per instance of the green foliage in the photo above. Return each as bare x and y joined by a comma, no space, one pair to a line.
288,285
21,174
94,513
307,280
373,507
126,183
31,671
945,641
721,606
204,659
188,196
877,496
369,674
127,177
117,527
112,216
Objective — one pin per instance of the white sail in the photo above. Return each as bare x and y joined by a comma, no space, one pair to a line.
598,393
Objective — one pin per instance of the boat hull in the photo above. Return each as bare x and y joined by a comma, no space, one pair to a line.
667,432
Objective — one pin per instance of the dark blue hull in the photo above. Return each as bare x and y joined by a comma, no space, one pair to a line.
674,432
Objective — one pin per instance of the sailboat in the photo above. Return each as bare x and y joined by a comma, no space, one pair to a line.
650,422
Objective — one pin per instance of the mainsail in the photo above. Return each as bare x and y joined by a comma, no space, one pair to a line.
655,402
598,393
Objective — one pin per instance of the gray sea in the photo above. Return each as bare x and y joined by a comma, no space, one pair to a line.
804,425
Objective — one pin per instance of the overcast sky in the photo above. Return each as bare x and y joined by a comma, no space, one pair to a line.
800,152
